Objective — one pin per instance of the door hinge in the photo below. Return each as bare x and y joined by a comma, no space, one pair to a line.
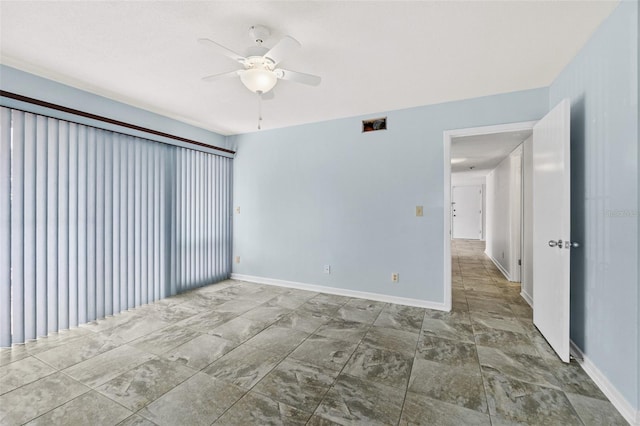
519,262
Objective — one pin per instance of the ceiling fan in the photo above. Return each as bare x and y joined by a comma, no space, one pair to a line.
260,73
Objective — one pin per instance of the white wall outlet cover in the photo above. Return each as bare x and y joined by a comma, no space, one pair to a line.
419,211
238,209
237,259
395,277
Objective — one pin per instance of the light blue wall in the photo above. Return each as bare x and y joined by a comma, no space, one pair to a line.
325,193
602,82
26,84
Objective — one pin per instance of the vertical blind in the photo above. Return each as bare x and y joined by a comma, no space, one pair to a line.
94,222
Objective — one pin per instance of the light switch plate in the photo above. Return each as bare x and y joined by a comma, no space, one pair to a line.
419,211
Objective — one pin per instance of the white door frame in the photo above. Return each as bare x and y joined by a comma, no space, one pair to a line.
448,135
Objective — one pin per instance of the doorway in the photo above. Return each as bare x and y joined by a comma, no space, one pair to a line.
550,217
476,167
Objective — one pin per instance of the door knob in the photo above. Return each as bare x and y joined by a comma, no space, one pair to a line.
553,243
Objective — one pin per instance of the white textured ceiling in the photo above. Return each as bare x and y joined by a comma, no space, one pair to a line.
478,155
372,56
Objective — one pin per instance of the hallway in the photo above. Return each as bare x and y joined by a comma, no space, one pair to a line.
524,380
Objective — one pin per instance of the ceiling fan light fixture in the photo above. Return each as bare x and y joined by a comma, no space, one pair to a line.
258,79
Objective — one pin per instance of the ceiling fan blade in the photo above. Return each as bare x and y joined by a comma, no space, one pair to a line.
220,76
286,45
298,77
222,50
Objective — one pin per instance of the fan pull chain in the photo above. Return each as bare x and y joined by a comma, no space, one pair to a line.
259,110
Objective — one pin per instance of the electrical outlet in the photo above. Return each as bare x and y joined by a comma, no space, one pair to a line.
395,277
327,269
419,211
237,259
238,210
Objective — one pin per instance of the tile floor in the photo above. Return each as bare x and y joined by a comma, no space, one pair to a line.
240,354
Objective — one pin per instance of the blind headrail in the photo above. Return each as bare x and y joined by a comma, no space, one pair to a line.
57,107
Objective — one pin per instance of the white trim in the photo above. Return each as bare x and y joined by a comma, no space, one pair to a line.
447,221
342,292
617,399
447,136
499,266
527,298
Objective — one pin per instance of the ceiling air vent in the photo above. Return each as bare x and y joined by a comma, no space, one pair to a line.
374,124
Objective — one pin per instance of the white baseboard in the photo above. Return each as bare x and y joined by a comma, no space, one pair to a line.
527,298
342,292
499,266
617,399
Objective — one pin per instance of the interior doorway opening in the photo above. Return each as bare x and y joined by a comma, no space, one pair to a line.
490,162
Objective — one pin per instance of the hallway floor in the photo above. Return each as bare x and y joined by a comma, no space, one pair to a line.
238,353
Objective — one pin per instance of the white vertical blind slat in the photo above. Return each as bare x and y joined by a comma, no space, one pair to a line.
143,219
108,224
82,225
91,223
182,220
197,234
156,224
225,218
174,212
134,279
17,227
126,222
149,223
208,217
63,225
52,225
117,194
218,234
100,224
73,225
5,227
29,226
229,220
189,234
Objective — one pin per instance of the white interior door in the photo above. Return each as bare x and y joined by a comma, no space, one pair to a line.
466,212
552,227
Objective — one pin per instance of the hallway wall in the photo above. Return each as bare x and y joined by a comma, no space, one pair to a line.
503,215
